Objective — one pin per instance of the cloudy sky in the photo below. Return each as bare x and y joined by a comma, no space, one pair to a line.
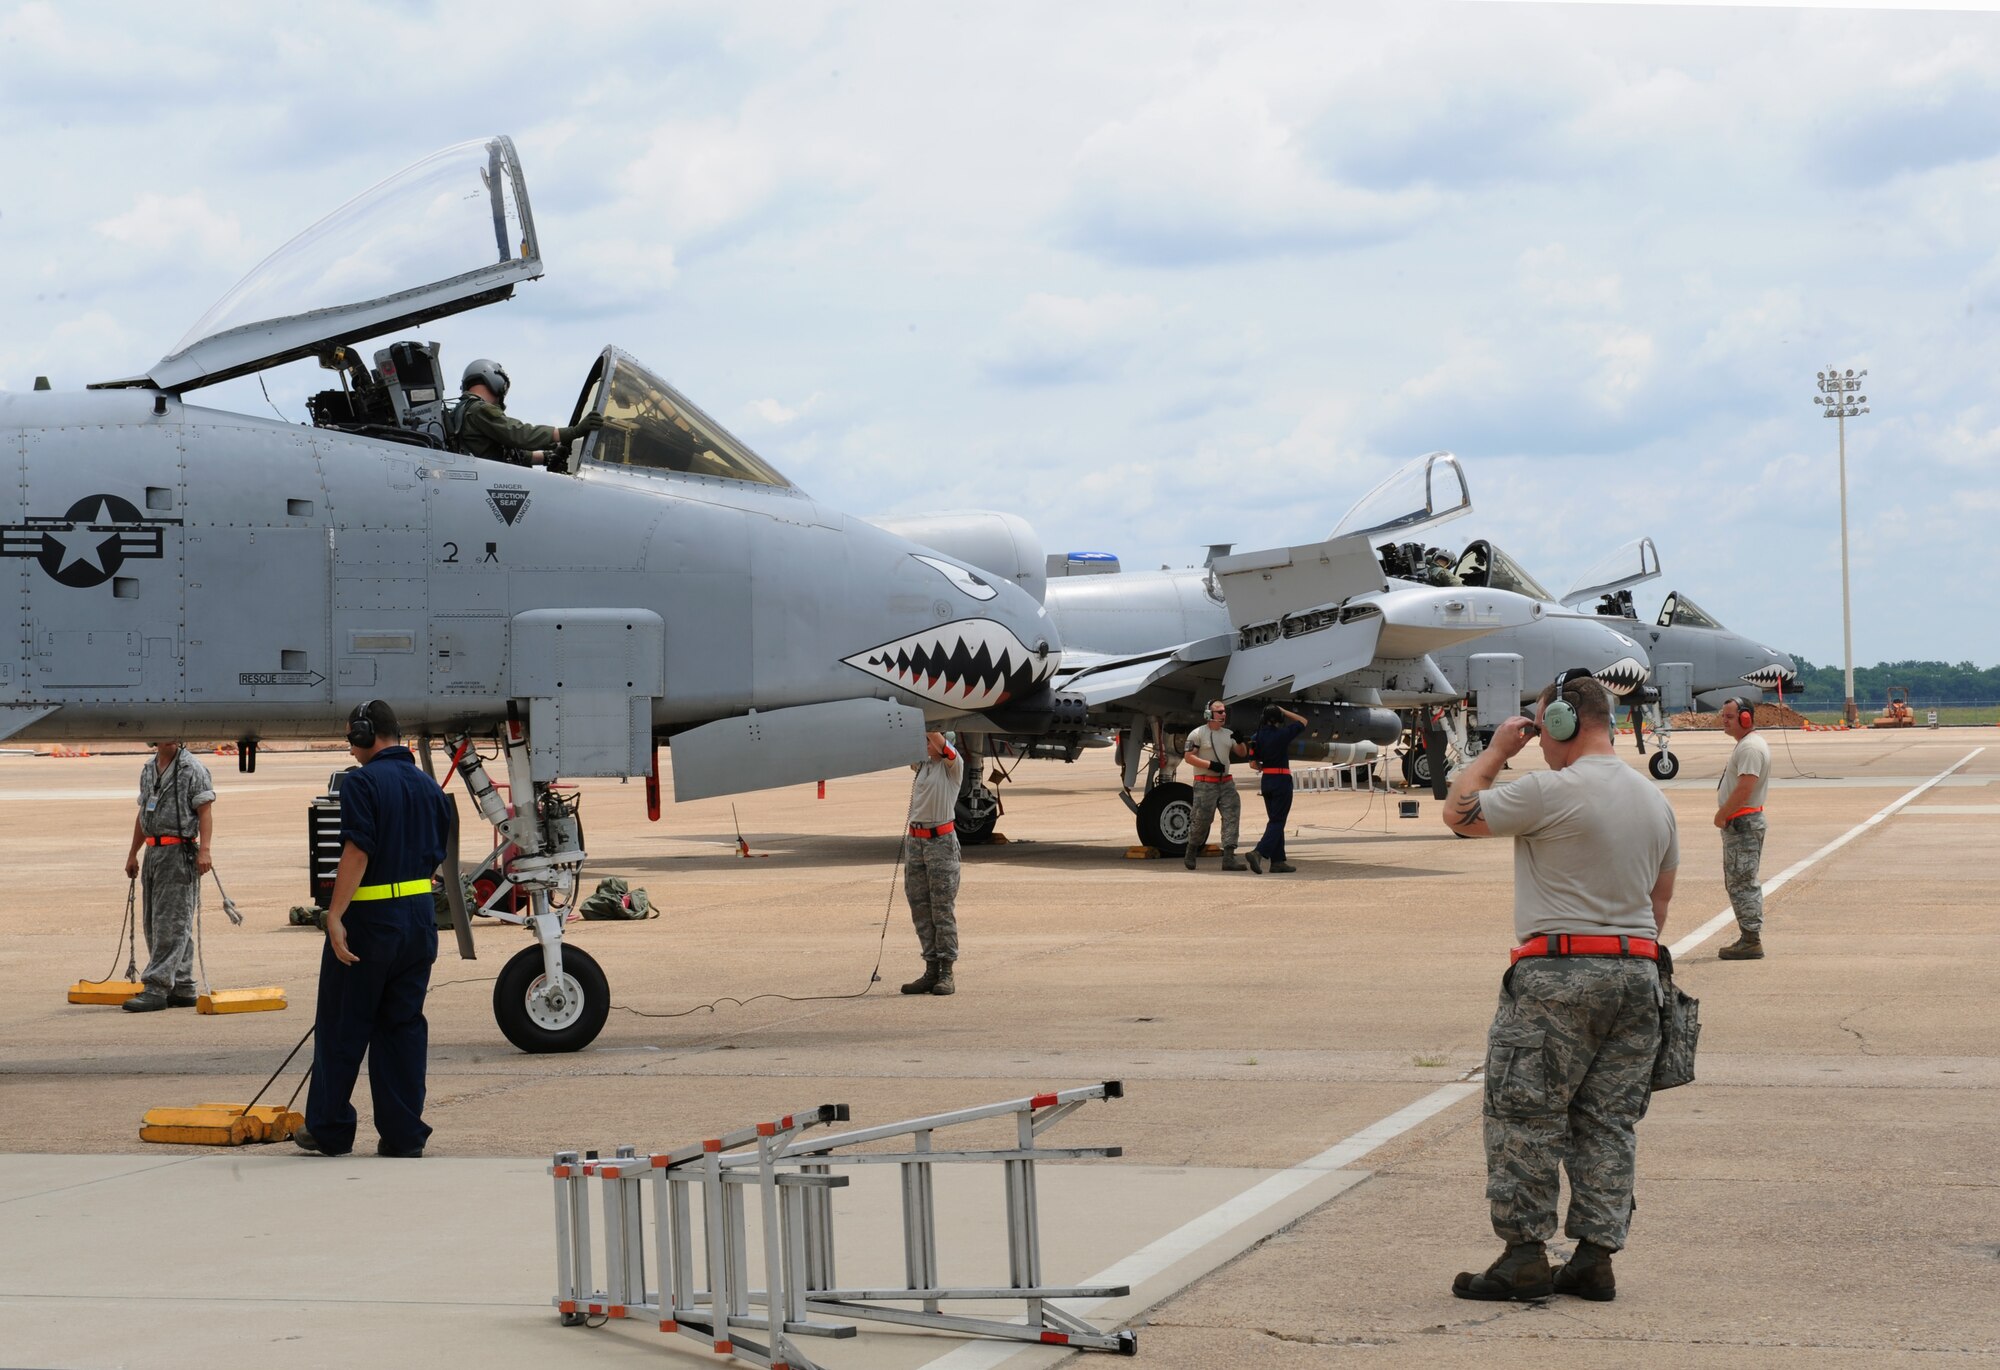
1153,276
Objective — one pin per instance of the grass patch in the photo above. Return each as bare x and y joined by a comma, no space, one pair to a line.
1430,1060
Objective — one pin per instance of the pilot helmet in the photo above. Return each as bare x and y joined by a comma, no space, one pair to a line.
1441,558
489,373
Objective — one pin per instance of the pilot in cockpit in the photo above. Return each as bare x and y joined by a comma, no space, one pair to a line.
483,428
1439,568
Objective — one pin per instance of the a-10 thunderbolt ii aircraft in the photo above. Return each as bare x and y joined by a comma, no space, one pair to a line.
1321,626
1695,658
180,570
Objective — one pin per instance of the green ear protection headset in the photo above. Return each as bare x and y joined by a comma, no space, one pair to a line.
1560,720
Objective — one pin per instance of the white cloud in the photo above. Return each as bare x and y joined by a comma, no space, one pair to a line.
164,226
1061,339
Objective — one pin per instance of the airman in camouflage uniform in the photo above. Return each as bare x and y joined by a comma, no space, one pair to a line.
1739,812
1210,750
930,863
1569,1057
176,818
485,429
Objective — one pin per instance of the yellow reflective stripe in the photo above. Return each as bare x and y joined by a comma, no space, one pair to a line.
394,891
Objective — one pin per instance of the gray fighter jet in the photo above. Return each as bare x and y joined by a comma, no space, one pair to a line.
1322,627
1694,657
180,570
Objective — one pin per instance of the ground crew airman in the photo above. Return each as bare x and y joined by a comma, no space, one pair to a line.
1271,752
930,863
1739,812
381,938
485,430
1569,1058
1210,750
175,822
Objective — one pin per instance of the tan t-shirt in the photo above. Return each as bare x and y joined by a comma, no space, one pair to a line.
1751,757
934,792
1213,744
1590,842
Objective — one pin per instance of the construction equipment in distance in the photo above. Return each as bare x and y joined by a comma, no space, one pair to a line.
794,1178
1896,713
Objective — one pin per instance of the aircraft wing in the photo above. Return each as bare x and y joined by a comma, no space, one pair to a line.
1111,680
1299,663
1259,587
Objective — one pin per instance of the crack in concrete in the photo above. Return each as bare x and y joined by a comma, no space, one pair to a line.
1860,1039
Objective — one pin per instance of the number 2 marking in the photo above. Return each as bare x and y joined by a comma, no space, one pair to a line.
451,552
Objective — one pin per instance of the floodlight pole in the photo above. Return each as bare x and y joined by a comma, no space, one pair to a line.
1838,402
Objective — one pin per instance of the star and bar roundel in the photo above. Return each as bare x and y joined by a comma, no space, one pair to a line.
88,545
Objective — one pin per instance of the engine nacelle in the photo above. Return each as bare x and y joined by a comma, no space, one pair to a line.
1005,545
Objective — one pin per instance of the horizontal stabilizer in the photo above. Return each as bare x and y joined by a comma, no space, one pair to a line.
1291,664
761,751
1261,587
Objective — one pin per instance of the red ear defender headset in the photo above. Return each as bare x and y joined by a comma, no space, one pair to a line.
361,726
1746,714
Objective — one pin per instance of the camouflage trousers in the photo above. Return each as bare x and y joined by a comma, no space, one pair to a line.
1742,854
930,880
1207,799
172,889
1569,1064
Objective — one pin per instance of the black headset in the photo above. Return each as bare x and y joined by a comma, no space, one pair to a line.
361,725
1561,720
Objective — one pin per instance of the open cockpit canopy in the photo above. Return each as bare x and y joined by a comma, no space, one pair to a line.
1681,612
1427,490
650,426
1634,563
450,233
1483,564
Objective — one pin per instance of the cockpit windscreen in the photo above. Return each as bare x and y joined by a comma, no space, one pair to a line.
1681,612
650,425
1483,564
1422,492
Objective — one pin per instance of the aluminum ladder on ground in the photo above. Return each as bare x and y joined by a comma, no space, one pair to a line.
1357,776
699,1284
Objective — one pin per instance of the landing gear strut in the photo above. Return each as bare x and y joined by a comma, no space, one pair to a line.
546,999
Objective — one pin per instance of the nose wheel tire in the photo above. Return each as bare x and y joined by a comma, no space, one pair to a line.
1664,765
978,813
1165,818
538,1017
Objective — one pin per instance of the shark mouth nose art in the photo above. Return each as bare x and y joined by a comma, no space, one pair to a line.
1772,676
1622,676
973,663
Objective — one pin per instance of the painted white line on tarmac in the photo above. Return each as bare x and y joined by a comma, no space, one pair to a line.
1797,868
1189,1238
1158,1255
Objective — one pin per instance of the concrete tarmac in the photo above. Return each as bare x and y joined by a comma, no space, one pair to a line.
1827,1192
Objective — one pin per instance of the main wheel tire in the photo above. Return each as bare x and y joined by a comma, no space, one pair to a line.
1417,767
1436,772
977,815
1664,765
534,1025
1166,816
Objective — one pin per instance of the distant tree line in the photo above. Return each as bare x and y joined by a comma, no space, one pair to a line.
1928,682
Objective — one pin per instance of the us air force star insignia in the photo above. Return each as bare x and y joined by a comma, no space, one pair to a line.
88,545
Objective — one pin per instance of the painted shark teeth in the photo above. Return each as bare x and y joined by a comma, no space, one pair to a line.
1771,676
1622,676
970,664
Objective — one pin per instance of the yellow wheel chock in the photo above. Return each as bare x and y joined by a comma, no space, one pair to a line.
220,1124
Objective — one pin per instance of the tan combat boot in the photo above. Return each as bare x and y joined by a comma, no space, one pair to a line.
924,983
1522,1272
944,983
1588,1274
1748,947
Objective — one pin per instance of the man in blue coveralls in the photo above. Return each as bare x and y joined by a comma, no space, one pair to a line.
1271,754
381,938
